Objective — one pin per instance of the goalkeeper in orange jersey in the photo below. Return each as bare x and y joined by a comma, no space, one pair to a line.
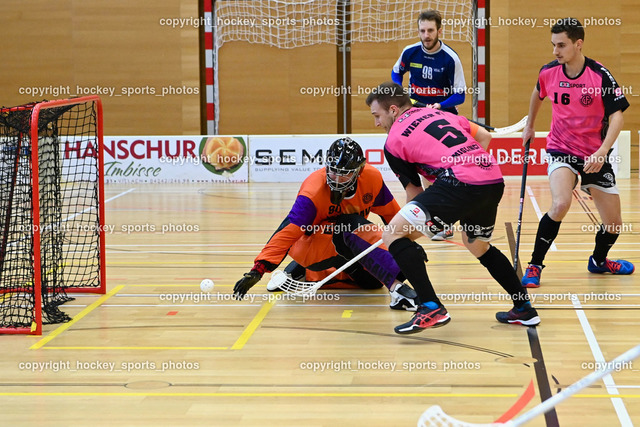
328,225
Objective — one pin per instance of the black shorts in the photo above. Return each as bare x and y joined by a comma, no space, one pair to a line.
604,180
475,206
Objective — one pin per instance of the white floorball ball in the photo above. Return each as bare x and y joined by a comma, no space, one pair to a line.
206,285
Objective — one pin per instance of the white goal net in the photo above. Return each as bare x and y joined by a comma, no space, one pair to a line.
291,24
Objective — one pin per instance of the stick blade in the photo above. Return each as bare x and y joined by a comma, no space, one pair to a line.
436,417
512,128
280,281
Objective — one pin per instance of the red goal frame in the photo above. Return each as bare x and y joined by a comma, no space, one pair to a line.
36,326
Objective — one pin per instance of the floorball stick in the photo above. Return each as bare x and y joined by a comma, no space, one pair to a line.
497,131
522,188
279,280
435,416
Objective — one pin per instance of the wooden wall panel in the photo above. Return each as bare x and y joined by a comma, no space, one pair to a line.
628,72
264,90
121,44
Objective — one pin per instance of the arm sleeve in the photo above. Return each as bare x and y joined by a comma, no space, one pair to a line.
293,227
406,172
473,129
396,77
398,70
453,100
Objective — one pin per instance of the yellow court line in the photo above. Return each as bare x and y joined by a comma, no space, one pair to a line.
133,348
76,318
251,328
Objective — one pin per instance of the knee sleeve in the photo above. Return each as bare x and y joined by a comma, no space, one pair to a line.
398,248
421,220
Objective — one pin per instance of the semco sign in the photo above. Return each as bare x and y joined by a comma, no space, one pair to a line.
291,158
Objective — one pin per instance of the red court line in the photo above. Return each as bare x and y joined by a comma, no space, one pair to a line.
522,401
453,242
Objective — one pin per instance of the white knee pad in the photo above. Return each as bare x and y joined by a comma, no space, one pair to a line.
419,218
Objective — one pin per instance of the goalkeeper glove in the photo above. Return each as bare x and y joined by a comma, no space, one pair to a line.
248,280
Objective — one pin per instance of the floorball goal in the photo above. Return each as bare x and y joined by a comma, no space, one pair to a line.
51,210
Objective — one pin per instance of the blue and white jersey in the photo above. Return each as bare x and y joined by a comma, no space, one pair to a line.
434,77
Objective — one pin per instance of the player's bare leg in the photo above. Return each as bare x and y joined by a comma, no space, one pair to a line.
608,206
562,181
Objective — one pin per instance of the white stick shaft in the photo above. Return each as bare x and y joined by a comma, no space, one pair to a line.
348,264
575,387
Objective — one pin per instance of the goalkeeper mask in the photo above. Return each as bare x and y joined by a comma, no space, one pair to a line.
344,163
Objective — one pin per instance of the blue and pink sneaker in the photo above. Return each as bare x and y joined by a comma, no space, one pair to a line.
531,277
618,266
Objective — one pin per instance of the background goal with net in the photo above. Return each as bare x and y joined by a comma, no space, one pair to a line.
292,24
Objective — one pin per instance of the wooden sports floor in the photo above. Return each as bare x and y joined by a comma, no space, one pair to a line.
155,351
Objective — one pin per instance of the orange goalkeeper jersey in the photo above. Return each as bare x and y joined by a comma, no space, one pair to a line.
314,213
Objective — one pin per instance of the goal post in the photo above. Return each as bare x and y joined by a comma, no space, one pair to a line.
52,241
289,24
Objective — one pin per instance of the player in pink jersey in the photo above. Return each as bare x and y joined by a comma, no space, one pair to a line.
587,106
467,186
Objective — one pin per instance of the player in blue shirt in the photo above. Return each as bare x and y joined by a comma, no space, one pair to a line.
436,77
435,73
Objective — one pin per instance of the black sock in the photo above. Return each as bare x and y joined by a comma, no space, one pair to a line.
501,269
547,232
604,241
410,257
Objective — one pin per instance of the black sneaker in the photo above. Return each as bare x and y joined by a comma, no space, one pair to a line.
295,271
424,318
527,317
403,297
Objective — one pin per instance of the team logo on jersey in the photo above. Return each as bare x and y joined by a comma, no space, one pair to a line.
618,91
367,198
608,176
586,100
570,85
483,162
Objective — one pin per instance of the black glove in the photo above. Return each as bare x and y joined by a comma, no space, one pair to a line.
247,282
